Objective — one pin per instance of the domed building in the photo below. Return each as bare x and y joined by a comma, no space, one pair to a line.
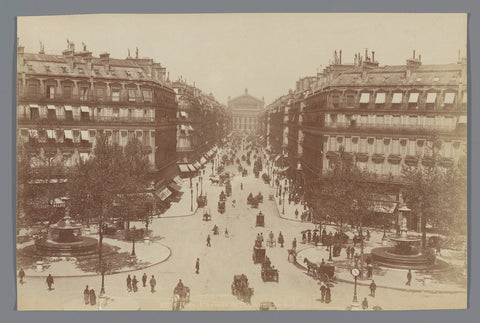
245,110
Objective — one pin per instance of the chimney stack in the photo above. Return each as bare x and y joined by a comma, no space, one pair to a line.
373,56
105,59
340,57
414,54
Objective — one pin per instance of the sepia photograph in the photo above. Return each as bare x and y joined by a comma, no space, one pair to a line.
242,162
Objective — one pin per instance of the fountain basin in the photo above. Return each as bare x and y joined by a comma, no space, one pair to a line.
86,246
388,257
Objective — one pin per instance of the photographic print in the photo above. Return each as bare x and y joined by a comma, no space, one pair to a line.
242,162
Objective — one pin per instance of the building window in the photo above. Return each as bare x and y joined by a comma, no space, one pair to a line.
363,145
413,100
449,100
116,95
350,99
336,99
447,149
51,112
380,100
364,100
50,92
115,113
131,95
83,93
397,100
395,149
147,95
379,146
67,92
34,113
412,148
100,93
32,90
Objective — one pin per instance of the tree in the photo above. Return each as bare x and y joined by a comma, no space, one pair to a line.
112,177
437,194
41,177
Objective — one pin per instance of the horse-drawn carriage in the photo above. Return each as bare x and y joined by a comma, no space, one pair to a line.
260,222
240,288
202,200
181,297
215,180
216,230
324,272
258,255
221,206
269,273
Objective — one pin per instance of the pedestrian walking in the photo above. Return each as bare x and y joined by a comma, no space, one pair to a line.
373,288
49,281
144,280
365,304
409,278
294,243
226,233
21,275
369,270
347,250
86,295
134,284
93,297
309,236
368,235
129,283
296,213
328,295
280,239
208,241
197,266
323,290
153,282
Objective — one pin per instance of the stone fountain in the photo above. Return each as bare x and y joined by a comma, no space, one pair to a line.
65,239
406,252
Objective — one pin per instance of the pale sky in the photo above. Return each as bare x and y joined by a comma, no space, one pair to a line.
266,53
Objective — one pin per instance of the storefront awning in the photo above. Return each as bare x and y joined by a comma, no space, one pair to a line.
68,134
365,98
184,168
431,97
51,107
380,99
413,98
197,165
175,187
384,207
51,134
397,98
462,119
449,98
163,193
85,135
183,114
33,106
203,160
177,180
84,109
191,168
68,108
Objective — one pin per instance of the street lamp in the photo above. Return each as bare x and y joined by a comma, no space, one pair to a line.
133,240
330,242
103,268
355,272
191,199
201,185
197,189
283,210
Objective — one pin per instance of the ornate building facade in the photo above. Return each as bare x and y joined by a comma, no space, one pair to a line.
245,111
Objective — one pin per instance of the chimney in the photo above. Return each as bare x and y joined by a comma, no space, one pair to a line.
373,56
340,57
414,54
366,54
105,59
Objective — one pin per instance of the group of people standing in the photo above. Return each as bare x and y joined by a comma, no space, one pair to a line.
89,296
132,283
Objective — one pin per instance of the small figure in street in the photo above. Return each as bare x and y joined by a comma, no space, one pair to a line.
261,236
409,278
144,280
241,186
294,244
226,233
368,235
369,270
129,283
347,250
373,288
365,304
197,266
49,281
352,252
296,213
309,236
304,237
93,297
86,295
153,282
328,295
180,285
134,284
208,241
280,239
21,275
323,290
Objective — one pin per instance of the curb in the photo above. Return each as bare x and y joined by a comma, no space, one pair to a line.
179,216
298,265
114,272
284,218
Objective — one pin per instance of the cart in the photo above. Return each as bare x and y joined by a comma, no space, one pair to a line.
326,272
207,215
260,220
221,206
269,274
240,288
202,201
258,255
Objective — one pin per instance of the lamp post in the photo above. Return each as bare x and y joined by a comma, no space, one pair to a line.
103,268
283,209
197,189
330,242
201,185
134,233
355,272
191,199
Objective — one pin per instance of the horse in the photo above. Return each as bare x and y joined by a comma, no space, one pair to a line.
311,267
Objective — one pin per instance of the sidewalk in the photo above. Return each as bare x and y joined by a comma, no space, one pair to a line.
183,207
146,256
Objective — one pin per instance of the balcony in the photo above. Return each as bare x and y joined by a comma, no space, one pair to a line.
378,158
64,120
399,129
85,99
411,160
394,159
